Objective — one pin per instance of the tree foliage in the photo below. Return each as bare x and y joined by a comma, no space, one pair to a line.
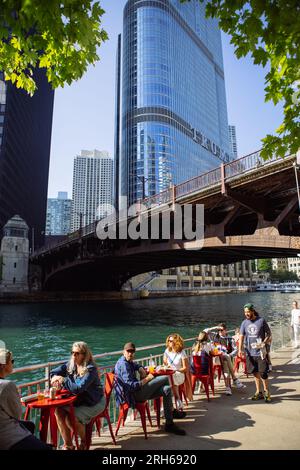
268,30
60,36
264,265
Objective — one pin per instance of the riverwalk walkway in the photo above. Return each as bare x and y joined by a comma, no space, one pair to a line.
229,422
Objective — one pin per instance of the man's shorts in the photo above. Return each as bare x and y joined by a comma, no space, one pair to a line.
257,364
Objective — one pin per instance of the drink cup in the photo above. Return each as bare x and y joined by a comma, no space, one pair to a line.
151,369
40,395
52,393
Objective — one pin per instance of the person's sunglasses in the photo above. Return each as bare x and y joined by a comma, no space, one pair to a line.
75,353
12,361
130,350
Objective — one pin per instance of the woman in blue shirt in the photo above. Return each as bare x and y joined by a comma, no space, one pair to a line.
80,377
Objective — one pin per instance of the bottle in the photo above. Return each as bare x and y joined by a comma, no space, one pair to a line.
52,393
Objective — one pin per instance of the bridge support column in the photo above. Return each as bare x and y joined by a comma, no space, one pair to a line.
202,267
213,275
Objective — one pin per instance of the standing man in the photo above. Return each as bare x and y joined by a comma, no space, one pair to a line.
130,389
256,333
295,322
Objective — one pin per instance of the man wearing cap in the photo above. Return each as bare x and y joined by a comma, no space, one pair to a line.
129,389
255,333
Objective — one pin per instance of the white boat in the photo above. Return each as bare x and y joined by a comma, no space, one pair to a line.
290,287
269,287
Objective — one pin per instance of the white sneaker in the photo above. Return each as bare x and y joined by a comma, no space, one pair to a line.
179,404
270,367
238,384
228,391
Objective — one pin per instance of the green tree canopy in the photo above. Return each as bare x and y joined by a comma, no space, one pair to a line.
264,265
60,36
268,30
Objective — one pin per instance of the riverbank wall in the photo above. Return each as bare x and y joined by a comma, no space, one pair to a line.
41,297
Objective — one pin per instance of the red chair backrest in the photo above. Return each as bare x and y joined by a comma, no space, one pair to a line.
202,365
109,385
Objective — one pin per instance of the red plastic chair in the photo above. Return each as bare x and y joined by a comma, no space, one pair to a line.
182,394
109,383
143,409
238,361
217,368
206,379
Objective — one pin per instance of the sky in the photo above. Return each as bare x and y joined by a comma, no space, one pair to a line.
83,116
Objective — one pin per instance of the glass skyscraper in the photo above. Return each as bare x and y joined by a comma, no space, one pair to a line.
174,113
59,210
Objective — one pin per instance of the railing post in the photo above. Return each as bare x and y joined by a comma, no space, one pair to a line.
173,196
282,334
47,376
223,187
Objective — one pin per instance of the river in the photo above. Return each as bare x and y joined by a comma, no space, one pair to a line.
45,332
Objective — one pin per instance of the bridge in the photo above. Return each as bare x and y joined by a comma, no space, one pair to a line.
251,210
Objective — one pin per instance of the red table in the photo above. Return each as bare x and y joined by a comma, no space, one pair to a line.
47,407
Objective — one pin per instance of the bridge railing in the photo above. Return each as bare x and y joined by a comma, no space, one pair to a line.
163,197
199,182
246,163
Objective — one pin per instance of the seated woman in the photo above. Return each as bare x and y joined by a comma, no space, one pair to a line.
14,433
176,358
80,377
202,347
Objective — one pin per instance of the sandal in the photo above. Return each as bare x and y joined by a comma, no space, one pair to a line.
65,447
82,446
257,396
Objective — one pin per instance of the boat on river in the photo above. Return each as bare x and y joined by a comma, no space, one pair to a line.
284,287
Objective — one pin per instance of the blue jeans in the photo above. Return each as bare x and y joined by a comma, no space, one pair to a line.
30,443
158,387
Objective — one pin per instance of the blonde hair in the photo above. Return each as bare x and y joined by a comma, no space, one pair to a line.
88,358
5,356
202,339
178,343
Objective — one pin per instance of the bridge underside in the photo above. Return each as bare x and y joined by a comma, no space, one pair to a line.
110,272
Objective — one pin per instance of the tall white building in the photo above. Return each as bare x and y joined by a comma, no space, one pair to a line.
93,177
280,264
294,265
233,143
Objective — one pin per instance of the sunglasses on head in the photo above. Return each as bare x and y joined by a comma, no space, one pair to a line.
171,340
130,350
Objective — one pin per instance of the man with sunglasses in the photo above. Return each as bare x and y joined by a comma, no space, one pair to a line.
220,335
129,389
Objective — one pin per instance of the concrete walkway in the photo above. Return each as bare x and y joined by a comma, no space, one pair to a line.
233,422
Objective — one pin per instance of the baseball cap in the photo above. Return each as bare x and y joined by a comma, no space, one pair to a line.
249,306
129,346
